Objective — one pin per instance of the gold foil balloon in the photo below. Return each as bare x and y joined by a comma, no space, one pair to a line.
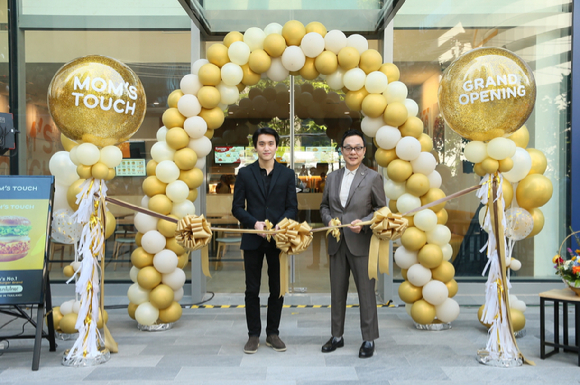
409,293
173,98
171,314
430,256
423,312
274,45
539,161
148,277
487,93
535,190
413,239
140,258
161,297
97,99
399,170
444,272
538,218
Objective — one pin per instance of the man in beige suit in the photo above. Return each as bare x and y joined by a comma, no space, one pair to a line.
352,194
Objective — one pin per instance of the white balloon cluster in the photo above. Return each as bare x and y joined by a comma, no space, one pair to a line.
65,317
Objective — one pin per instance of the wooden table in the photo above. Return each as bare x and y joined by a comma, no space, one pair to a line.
566,297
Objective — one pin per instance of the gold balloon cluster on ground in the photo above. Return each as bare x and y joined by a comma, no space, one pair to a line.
65,317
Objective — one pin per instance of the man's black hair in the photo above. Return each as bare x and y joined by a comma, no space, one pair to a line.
267,131
352,133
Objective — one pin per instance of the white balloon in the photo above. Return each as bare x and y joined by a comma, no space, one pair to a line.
334,41
435,292
76,307
393,190
388,136
354,79
515,265
88,154
405,258
447,251
425,220
293,58
335,80
137,294
358,42
76,266
447,311
111,156
408,148
153,242
167,171
73,156
201,146
277,72
145,202
232,74
229,94
190,84
376,82
424,164
165,261
273,28
482,214
475,151
522,166
133,273
518,305
178,294
195,67
254,38
63,169
239,52
200,163
195,127
161,134
67,307
396,92
418,275
312,44
182,209
160,151
188,105
144,223
370,126
175,279
146,314
60,201
408,307
501,148
177,191
434,179
412,107
440,235
408,202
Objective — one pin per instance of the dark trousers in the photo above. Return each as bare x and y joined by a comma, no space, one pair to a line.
341,264
253,260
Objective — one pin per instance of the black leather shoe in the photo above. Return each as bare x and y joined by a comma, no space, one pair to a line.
332,344
366,349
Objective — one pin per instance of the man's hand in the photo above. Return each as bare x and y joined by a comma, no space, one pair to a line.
260,226
354,228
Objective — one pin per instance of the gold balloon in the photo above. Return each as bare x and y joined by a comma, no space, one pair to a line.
426,143
374,105
399,170
430,256
68,271
171,314
308,71
423,312
370,60
167,228
56,317
131,309
172,118
68,322
479,314
410,220
354,99
160,204
151,166
442,217
413,126
177,138
138,238
218,54
232,37
250,78
413,239
72,192
90,90
538,218
385,157
409,293
293,31
539,161
174,246
489,165
487,93
404,274
110,224
153,186
317,27
395,114
444,272
535,190
161,297
173,98
209,133
508,192
432,195
140,258
259,61
148,277
393,206
392,72
84,172
326,63
518,319
99,171
478,169
418,184
521,137
193,178
209,97
192,195
182,260
505,165
67,144
348,58
274,45
452,287
242,86
111,174
214,117
185,158
209,74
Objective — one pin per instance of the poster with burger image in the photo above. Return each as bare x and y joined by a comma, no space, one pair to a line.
14,239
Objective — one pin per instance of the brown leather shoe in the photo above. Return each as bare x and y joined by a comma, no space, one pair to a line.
251,346
275,343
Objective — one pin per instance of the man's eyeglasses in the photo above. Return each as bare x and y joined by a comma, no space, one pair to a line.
348,149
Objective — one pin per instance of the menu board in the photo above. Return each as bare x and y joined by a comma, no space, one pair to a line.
228,154
24,226
322,154
131,167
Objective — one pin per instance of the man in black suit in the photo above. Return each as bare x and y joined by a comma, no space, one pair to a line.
263,190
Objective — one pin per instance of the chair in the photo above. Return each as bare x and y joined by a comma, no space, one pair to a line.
222,245
122,238
53,245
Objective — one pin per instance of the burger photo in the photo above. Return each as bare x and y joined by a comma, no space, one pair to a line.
14,240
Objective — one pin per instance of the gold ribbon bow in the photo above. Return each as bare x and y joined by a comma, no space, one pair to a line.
335,232
386,226
194,232
292,238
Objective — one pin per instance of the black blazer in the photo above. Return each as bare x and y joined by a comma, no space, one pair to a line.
252,203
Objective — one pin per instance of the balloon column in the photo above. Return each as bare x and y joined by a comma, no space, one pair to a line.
485,96
95,101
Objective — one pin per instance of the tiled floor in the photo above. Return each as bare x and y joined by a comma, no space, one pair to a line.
205,347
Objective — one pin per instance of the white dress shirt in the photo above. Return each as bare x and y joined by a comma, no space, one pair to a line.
345,186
